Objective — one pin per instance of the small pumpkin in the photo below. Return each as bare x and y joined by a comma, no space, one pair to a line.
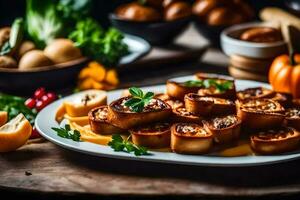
284,74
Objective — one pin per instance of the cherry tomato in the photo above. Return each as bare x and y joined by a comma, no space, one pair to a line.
52,96
30,103
34,134
39,93
40,105
46,100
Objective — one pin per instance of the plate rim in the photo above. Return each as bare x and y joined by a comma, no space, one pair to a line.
170,158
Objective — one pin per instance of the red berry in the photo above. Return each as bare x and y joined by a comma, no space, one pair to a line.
34,134
52,96
40,105
45,99
30,103
39,93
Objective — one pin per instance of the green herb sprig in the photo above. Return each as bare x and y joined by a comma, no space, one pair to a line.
138,100
68,133
207,83
14,105
119,144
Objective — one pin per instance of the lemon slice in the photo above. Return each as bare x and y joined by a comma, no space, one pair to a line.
15,133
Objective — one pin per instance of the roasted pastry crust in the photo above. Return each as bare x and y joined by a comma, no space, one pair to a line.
225,129
155,135
208,106
292,117
280,140
128,119
182,115
184,140
255,93
178,90
99,123
260,113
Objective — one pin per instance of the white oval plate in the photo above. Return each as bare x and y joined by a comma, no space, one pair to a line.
45,120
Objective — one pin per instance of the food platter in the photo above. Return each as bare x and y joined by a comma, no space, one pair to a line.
46,120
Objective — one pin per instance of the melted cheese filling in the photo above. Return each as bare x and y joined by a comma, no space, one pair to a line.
191,129
293,113
224,122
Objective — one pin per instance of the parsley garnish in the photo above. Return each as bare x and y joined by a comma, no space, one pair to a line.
207,83
68,133
119,144
138,100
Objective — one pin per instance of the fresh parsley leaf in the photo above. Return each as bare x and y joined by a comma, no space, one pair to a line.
14,105
136,92
67,133
119,144
207,83
138,100
193,83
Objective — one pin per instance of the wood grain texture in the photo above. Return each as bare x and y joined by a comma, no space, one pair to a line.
47,168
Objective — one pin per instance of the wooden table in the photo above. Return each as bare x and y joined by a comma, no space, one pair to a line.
46,171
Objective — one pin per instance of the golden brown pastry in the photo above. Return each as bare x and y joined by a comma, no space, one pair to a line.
99,123
225,129
260,113
155,135
275,141
123,117
189,138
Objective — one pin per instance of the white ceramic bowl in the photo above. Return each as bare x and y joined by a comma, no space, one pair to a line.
232,45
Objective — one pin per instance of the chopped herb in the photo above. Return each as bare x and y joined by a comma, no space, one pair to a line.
207,83
193,83
119,144
138,100
68,133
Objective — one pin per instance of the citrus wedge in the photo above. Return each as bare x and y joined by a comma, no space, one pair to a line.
15,133
3,117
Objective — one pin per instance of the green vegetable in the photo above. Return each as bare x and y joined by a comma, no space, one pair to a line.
119,144
138,100
106,47
74,9
15,37
43,21
207,83
15,105
68,133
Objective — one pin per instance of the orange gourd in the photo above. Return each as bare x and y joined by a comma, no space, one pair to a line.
284,74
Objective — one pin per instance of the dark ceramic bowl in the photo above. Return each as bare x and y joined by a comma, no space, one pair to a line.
61,76
293,6
14,81
156,33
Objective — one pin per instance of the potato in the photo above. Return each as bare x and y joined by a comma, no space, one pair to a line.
34,59
7,62
62,50
4,35
24,48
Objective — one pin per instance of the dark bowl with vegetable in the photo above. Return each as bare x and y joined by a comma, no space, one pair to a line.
156,33
24,82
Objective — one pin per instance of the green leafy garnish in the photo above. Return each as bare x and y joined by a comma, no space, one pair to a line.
207,83
67,132
107,47
193,83
119,144
138,100
14,105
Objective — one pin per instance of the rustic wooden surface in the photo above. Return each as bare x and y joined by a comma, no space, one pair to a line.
47,168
